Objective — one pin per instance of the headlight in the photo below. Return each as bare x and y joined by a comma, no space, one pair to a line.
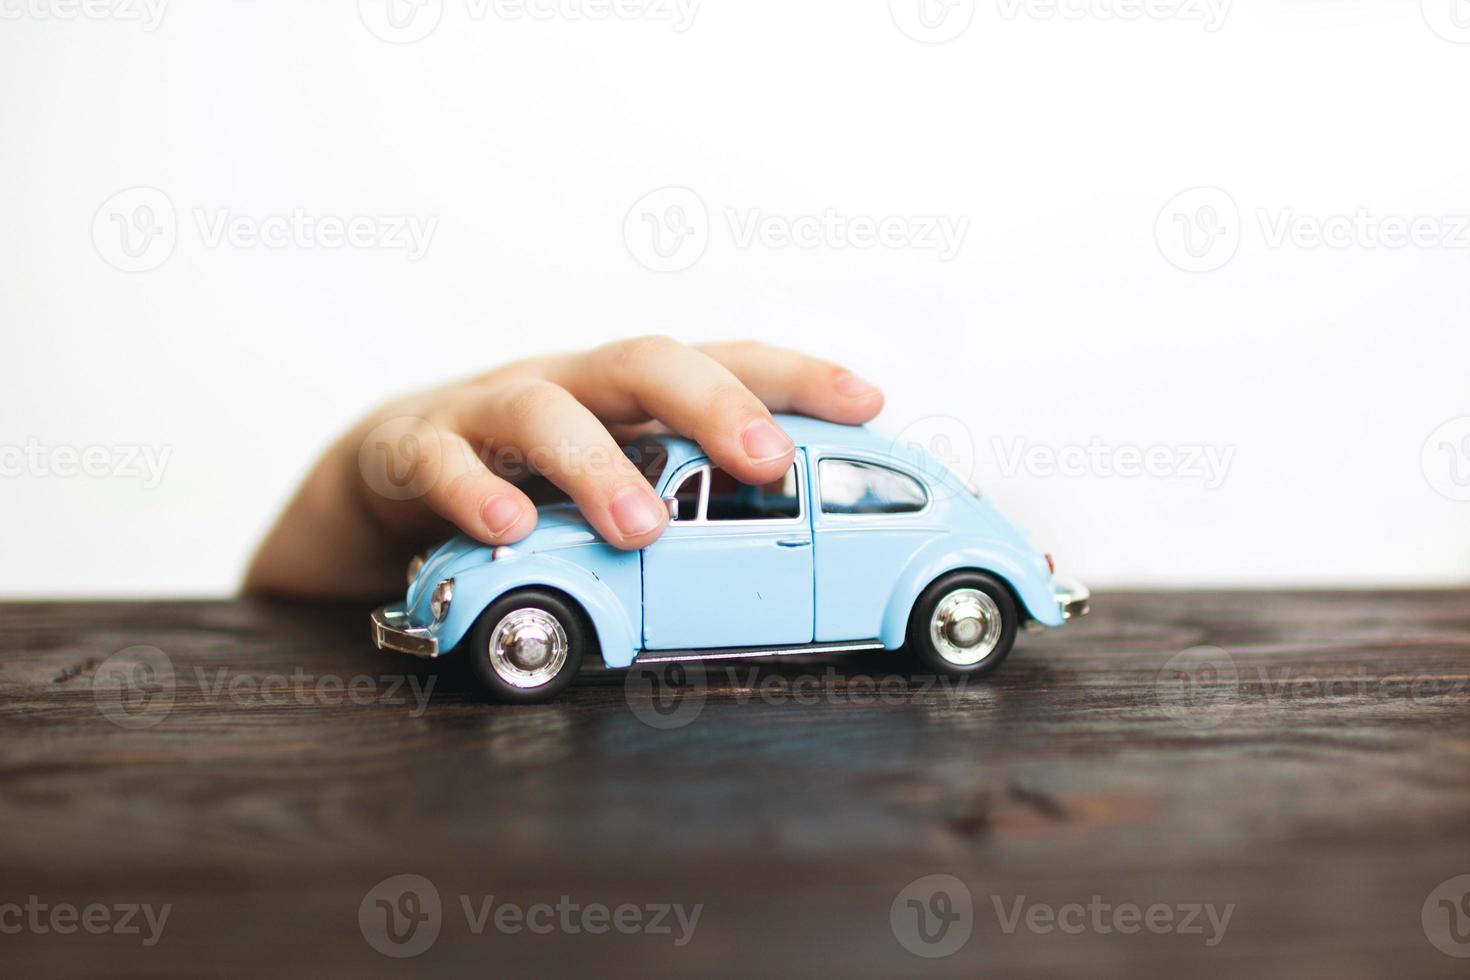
442,596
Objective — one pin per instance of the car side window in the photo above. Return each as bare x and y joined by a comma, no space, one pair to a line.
731,500
850,487
689,493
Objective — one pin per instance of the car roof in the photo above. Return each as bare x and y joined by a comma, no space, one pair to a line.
812,433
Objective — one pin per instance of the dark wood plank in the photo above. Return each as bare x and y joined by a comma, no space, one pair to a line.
1318,781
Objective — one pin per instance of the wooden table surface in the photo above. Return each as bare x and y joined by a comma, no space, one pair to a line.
1299,762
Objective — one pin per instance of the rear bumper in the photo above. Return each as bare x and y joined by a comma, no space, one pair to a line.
1073,598
392,631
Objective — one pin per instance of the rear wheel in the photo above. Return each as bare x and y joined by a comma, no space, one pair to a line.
528,645
965,624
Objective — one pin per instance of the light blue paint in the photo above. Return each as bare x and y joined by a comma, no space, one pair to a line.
822,577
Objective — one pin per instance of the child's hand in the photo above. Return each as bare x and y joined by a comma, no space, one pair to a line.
352,526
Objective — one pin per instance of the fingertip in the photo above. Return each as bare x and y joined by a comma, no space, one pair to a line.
506,519
638,517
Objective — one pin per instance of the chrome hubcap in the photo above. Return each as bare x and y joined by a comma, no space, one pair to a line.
528,648
966,627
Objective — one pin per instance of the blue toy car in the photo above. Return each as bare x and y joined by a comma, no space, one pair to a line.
864,544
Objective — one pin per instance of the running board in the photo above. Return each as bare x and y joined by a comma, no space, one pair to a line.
740,653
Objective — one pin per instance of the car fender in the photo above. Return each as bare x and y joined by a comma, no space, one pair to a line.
475,589
1018,568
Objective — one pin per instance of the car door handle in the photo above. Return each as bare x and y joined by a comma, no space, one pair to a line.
793,542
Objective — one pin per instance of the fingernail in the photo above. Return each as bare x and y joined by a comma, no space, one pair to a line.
635,512
764,442
500,514
852,386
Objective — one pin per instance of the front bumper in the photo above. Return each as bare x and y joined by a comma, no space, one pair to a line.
1073,598
392,631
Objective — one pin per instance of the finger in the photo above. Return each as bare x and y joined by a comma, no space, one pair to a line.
789,381
560,439
691,393
475,500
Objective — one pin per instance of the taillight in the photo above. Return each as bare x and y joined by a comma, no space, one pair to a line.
1051,566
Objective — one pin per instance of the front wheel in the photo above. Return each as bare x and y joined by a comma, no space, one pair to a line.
965,624
527,646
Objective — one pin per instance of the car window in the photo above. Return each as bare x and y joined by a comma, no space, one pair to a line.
731,500
850,487
688,494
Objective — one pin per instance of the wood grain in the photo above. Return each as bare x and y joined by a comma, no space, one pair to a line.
1312,770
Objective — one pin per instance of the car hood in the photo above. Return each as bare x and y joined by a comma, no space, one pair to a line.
558,526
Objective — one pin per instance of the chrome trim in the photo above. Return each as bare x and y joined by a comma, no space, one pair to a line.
391,631
528,648
738,653
1073,598
966,627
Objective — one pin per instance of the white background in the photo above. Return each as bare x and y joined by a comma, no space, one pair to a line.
1061,321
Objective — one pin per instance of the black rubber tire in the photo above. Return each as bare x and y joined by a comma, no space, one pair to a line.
572,620
921,646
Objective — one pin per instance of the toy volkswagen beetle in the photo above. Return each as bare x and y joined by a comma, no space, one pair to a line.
863,544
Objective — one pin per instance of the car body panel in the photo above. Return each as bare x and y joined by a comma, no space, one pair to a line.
822,578
727,584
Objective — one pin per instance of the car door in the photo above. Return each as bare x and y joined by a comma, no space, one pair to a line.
869,520
734,567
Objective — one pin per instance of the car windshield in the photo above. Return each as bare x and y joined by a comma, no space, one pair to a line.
650,456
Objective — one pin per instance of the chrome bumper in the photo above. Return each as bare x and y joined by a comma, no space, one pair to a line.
391,631
1072,596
